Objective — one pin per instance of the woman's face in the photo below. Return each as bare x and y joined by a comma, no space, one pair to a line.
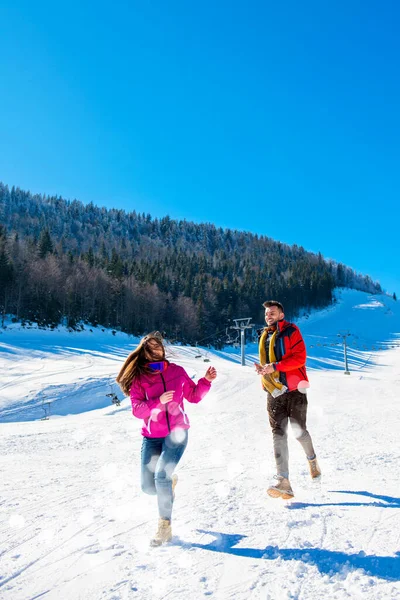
154,350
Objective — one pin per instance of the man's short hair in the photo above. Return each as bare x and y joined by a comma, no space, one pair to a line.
269,303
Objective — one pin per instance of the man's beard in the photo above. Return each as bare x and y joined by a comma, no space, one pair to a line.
273,324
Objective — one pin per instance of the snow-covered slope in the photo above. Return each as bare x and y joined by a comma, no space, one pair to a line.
74,523
371,321
72,370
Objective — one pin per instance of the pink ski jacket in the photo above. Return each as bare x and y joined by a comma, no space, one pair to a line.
160,419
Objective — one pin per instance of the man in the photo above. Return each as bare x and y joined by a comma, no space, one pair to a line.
282,365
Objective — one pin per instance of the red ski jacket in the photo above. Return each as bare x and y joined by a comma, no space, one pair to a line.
291,355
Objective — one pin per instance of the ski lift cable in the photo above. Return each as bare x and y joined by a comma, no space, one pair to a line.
212,335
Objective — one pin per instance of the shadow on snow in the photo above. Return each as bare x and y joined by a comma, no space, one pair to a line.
380,501
328,562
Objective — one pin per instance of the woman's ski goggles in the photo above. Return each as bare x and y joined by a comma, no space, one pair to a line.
158,366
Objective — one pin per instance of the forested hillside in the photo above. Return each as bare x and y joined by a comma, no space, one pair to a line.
63,261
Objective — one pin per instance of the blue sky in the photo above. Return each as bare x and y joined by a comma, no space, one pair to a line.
280,120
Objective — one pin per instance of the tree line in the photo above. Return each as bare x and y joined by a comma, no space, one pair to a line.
65,262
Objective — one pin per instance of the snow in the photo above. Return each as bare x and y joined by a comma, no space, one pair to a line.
74,523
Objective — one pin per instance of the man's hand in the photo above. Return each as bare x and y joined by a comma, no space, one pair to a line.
211,374
264,370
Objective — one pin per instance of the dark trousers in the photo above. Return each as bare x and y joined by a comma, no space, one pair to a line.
291,406
159,459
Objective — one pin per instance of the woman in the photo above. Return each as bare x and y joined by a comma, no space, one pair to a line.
157,389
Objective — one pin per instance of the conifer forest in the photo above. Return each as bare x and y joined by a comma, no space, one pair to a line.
64,262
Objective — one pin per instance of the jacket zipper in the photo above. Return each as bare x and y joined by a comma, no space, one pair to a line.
278,345
282,347
166,406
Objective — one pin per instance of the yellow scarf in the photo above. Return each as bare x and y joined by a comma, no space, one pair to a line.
269,382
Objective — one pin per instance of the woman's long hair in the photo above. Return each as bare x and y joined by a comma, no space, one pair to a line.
136,363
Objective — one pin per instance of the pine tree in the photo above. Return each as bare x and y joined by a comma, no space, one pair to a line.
116,266
45,245
6,267
90,257
6,273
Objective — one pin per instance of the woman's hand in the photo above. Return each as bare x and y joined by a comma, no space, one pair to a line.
167,397
211,374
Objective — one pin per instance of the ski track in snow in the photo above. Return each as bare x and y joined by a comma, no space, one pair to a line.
74,523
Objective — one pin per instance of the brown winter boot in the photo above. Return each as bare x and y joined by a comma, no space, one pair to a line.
174,482
315,471
280,488
164,533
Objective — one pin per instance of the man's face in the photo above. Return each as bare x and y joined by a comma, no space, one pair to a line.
273,314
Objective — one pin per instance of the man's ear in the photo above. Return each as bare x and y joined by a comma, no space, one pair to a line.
282,315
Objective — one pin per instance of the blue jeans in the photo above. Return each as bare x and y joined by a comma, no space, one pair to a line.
159,459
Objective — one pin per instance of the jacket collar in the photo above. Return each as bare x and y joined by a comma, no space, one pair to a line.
281,325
